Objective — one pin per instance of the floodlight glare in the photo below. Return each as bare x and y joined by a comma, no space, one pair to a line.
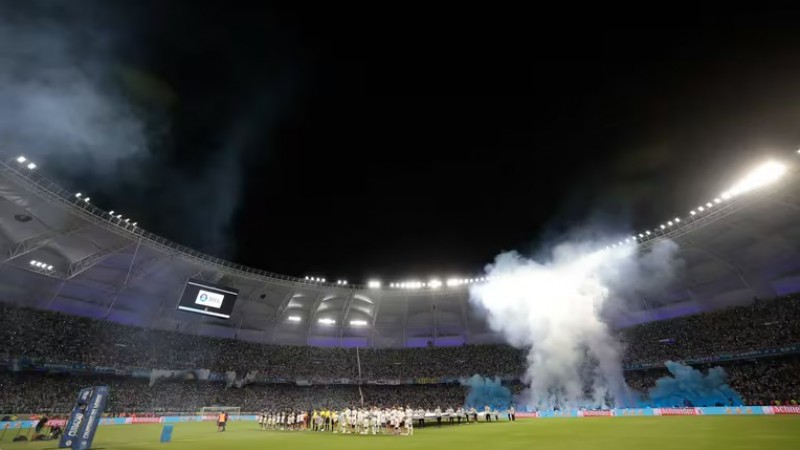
669,223
31,166
358,323
294,319
452,282
78,195
664,226
87,199
50,267
641,235
373,284
33,262
435,284
716,200
692,212
647,233
21,159
677,220
327,321
700,208
762,175
111,213
709,205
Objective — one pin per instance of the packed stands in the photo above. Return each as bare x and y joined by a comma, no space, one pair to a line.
54,337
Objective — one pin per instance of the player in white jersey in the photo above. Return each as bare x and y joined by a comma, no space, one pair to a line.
364,422
353,420
376,420
408,422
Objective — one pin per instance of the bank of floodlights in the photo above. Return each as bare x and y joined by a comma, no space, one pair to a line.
41,265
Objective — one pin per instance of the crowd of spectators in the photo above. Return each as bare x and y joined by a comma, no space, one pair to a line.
51,337
35,392
46,336
759,382
762,324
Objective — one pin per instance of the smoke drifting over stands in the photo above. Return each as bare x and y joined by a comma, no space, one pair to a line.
49,337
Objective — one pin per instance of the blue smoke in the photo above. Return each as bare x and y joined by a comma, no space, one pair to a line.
486,391
687,385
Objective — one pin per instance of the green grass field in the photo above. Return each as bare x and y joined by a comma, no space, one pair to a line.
639,433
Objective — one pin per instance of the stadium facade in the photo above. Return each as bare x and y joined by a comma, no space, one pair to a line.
62,253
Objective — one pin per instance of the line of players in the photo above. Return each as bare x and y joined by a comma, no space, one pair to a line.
397,421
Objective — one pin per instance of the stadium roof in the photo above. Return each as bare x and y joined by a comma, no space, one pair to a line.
62,253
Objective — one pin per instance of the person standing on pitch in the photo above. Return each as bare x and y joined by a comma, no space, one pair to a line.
221,422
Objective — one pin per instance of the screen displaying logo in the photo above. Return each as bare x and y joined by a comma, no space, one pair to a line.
211,299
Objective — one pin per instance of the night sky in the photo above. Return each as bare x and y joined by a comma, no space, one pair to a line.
409,142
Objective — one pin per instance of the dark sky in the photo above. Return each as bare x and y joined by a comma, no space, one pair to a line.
408,142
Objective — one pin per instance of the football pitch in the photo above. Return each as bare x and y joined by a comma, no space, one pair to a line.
634,433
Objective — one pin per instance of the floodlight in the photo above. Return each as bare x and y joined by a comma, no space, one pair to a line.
373,284
21,159
39,264
31,166
647,233
135,223
50,267
716,200
78,195
669,223
641,235
677,220
709,205
700,208
664,226
323,280
119,216
294,318
33,262
452,282
111,213
327,321
306,277
435,284
762,175
87,199
358,323
127,219
692,212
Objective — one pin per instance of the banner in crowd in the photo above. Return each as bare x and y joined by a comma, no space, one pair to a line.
774,351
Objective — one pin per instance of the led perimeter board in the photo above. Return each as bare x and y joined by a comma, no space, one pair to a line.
209,299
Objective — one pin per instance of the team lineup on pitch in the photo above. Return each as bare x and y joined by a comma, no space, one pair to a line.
629,433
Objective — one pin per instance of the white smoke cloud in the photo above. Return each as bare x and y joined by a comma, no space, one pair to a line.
57,101
556,309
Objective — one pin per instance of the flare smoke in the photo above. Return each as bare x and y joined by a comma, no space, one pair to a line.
555,309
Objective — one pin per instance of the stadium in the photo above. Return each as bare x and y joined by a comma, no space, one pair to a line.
549,235
91,298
